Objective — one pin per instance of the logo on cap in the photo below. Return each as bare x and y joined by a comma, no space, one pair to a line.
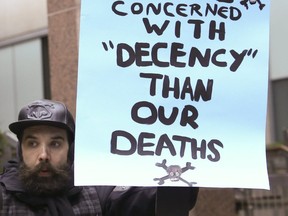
40,111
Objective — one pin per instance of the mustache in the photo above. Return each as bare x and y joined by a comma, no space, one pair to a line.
47,166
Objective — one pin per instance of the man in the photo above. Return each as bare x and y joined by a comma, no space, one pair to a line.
41,181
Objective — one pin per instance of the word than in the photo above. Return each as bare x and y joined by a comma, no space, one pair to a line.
178,89
124,143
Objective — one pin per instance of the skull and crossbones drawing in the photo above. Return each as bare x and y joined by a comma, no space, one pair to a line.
174,173
245,3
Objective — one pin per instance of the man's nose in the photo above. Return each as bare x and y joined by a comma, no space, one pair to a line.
44,154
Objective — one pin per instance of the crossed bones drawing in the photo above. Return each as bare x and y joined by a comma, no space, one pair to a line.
174,173
245,3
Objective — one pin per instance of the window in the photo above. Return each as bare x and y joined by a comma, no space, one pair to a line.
280,107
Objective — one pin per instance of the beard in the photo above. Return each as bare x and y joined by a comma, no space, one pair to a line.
56,183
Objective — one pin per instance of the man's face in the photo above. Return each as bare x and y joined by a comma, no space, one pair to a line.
45,169
44,143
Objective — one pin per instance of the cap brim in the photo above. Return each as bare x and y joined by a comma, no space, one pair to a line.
18,127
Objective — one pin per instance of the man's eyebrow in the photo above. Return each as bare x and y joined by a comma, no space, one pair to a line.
29,137
58,137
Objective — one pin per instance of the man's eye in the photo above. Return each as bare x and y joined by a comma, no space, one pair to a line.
32,144
55,144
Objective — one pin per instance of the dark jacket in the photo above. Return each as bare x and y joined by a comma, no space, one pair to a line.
88,200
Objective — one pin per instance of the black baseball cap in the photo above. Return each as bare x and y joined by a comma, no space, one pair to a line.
44,112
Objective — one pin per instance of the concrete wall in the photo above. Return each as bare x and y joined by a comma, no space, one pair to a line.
22,19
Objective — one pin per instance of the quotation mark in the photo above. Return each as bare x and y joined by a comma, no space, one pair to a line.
253,54
105,46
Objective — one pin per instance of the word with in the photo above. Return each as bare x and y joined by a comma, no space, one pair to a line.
124,143
197,24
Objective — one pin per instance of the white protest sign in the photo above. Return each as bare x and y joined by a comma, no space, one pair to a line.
172,93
